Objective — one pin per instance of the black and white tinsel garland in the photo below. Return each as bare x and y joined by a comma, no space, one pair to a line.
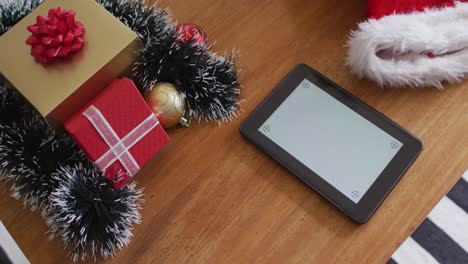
30,152
53,176
208,81
89,214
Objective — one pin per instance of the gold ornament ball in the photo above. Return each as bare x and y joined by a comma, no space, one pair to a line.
167,103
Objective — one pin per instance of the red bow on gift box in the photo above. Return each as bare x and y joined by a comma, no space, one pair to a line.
55,36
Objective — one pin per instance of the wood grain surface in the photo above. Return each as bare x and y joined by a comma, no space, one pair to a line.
212,197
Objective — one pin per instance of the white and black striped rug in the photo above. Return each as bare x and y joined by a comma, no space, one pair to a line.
443,236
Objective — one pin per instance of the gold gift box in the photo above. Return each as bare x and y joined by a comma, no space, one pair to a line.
62,88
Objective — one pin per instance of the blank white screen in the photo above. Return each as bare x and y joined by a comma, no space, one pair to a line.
332,140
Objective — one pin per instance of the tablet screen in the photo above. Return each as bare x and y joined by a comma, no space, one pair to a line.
332,140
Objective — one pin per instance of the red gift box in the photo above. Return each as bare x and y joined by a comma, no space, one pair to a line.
118,131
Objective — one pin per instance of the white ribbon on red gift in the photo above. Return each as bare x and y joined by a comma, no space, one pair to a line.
119,147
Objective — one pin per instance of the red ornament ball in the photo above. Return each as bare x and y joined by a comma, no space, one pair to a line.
55,36
189,32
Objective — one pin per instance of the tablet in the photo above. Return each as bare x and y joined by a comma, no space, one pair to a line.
337,144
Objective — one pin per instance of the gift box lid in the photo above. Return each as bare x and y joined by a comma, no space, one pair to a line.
109,49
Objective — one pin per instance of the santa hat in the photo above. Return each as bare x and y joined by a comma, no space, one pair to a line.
411,43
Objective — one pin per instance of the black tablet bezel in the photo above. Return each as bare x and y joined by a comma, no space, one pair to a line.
365,208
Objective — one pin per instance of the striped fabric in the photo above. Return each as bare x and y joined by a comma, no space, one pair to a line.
443,236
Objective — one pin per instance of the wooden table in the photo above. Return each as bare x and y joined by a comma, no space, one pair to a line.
212,197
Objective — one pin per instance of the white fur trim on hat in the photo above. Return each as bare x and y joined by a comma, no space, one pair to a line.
393,51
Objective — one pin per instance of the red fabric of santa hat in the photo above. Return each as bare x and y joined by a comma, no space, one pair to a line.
415,43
